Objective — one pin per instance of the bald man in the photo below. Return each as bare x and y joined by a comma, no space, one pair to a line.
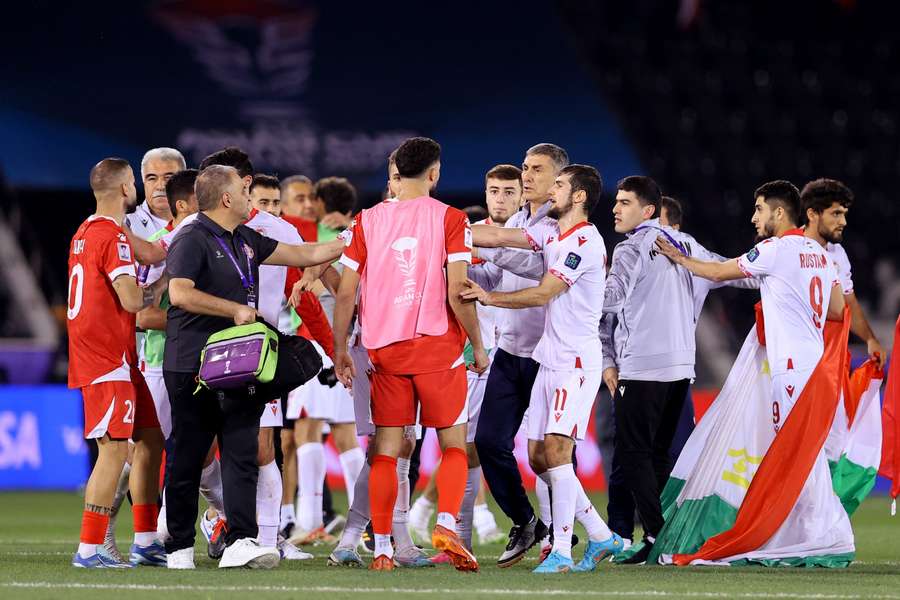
102,301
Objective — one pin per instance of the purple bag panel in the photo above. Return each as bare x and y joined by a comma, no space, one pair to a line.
232,364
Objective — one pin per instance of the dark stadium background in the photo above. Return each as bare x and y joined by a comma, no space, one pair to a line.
710,98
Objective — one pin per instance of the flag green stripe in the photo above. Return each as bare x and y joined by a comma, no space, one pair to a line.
828,561
851,482
690,524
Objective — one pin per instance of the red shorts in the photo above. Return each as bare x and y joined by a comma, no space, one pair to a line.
117,408
440,396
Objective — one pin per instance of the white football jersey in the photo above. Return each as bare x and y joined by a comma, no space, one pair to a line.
571,337
272,278
142,222
842,264
796,280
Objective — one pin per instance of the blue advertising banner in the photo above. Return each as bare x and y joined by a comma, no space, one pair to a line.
41,438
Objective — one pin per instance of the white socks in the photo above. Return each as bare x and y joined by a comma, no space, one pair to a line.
587,515
421,511
358,515
467,509
144,538
211,486
483,519
383,546
565,490
542,491
311,478
268,502
87,550
401,507
287,515
351,462
447,521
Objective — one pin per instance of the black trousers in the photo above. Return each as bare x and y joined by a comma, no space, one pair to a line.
196,421
646,415
506,399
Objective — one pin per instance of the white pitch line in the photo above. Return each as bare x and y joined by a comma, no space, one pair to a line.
454,591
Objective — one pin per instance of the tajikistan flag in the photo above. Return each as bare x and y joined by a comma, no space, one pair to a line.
853,447
740,493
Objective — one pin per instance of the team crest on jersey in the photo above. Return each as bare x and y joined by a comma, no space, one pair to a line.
753,254
468,238
248,251
572,260
124,252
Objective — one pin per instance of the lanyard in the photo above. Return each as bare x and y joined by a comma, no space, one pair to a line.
674,242
247,281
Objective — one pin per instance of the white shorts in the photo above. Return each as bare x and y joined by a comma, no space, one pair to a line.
157,385
312,400
476,385
786,389
561,402
292,410
273,415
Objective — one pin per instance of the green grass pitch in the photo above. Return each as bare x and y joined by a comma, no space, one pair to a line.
39,533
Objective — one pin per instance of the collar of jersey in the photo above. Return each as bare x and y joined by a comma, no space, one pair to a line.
575,227
796,231
213,226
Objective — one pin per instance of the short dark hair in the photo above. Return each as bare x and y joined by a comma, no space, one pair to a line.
232,156
180,186
264,181
392,157
820,194
288,181
504,173
476,213
782,193
584,178
337,193
646,190
416,155
107,173
674,212
556,153
211,184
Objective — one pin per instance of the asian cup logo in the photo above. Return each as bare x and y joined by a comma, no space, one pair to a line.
405,253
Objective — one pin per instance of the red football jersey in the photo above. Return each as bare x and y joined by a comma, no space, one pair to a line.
101,332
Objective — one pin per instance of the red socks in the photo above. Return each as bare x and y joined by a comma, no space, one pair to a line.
145,516
451,480
93,527
383,492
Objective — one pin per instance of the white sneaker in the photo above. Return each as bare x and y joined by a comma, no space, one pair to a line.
289,551
247,553
180,559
